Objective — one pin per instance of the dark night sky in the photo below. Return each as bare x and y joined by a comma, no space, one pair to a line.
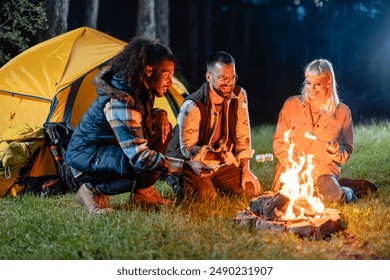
273,40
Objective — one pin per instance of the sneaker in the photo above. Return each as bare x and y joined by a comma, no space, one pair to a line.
93,200
360,187
149,196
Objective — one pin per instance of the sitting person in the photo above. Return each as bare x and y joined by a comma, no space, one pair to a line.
116,148
319,125
213,127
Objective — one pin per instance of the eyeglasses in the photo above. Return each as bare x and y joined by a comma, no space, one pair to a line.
226,80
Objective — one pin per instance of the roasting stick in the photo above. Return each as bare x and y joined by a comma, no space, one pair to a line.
216,167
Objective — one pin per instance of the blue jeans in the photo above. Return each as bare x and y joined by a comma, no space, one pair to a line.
112,183
329,188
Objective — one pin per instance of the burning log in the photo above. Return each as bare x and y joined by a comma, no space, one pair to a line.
269,206
245,217
322,227
304,229
302,206
296,208
265,213
269,225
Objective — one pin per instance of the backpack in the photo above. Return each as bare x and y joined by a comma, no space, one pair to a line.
17,147
44,186
57,135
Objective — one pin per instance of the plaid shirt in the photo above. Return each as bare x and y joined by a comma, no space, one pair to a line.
127,126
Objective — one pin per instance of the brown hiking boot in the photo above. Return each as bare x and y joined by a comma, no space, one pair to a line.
93,200
360,187
149,196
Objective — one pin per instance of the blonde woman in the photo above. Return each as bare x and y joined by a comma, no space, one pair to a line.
320,125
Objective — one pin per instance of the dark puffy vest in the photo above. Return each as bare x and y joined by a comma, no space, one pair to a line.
94,147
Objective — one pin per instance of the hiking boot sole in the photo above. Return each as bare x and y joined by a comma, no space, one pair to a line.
166,202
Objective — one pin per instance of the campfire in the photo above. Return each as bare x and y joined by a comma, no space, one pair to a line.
296,207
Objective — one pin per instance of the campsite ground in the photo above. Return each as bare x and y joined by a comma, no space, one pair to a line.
57,228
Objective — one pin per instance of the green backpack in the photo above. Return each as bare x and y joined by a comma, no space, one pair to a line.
17,147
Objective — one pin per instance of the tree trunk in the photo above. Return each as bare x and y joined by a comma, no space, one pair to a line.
162,21
91,13
205,38
246,41
193,42
146,20
207,31
57,18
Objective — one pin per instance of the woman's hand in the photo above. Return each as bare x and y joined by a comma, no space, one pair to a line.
333,147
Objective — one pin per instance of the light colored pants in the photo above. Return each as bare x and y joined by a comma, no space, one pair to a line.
328,186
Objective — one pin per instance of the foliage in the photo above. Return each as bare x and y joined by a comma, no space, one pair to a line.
19,19
58,228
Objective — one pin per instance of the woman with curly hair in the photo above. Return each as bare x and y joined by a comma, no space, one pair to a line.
118,145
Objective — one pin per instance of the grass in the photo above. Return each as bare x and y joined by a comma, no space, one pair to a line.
57,228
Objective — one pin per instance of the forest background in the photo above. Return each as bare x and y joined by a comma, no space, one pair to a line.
271,40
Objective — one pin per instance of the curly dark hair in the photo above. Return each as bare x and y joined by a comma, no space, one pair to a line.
131,62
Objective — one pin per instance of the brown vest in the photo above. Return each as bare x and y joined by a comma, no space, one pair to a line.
202,100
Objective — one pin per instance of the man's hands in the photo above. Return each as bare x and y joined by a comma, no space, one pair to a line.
226,157
198,168
249,177
162,122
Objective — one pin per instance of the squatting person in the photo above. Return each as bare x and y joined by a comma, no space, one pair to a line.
118,145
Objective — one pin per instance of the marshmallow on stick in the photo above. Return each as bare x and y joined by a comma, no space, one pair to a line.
312,136
264,157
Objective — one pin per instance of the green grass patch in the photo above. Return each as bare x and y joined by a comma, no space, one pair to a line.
58,228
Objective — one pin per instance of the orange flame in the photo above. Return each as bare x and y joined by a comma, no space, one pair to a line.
298,184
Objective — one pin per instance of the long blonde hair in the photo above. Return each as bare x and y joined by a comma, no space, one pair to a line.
322,67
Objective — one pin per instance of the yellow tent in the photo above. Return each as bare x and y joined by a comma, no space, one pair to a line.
52,81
